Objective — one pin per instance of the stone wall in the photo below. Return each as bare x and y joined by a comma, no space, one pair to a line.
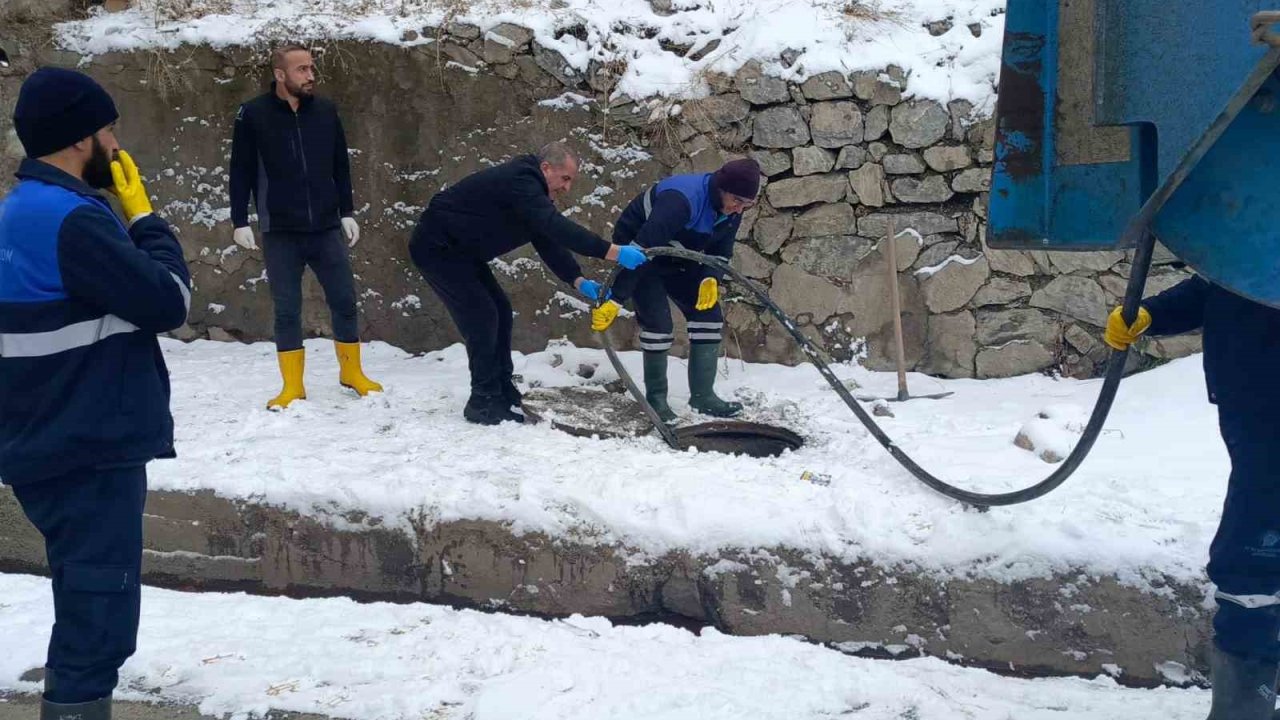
845,156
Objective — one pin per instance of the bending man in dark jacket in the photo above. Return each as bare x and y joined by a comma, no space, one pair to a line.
290,152
486,215
696,212
84,392
1241,356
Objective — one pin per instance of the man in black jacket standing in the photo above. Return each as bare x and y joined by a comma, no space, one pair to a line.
488,214
289,150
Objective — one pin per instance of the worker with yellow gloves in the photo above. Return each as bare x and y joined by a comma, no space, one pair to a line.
1241,355
84,392
697,212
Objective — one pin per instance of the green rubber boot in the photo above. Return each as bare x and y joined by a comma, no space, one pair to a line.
1243,689
655,385
702,379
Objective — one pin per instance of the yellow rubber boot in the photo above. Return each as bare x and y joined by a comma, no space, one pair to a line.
291,367
350,374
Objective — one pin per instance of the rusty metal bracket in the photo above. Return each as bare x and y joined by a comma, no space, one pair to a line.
1264,28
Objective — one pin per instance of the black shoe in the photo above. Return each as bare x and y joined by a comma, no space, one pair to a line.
489,410
512,394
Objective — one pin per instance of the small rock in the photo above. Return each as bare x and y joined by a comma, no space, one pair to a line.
751,263
758,88
1077,297
851,157
876,88
878,151
938,28
780,127
810,160
882,409
823,220
925,223
836,256
771,232
464,31
948,158
554,63
836,124
772,162
1001,327
903,164
798,192
1002,291
876,123
1016,358
932,189
919,123
827,86
974,180
867,183
951,348
954,285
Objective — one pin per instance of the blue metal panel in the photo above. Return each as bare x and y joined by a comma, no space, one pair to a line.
1036,202
1222,219
1108,109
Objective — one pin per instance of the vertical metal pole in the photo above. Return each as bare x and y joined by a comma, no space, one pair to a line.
891,262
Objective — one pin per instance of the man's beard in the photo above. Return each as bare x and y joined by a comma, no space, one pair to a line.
300,91
97,172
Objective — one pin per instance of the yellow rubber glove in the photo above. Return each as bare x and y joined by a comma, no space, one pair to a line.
127,185
1121,336
708,294
603,316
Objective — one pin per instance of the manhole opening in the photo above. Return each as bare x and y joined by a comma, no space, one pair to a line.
739,438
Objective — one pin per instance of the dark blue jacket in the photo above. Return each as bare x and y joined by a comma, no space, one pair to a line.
492,212
683,210
1241,342
82,380
295,165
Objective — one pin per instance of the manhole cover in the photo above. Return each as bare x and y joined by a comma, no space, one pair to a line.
735,437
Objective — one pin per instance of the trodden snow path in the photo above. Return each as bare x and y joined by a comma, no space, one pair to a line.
239,656
1145,502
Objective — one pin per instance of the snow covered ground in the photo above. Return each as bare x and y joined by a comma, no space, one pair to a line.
1146,501
844,35
409,662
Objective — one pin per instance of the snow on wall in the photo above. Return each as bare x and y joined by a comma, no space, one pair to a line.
960,61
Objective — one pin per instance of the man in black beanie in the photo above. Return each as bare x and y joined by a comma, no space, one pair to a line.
84,392
697,212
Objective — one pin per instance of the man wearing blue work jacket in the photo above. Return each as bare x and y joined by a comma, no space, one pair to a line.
699,212
84,392
1241,356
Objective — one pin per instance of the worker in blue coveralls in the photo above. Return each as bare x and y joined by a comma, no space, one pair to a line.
1241,355
699,212
84,392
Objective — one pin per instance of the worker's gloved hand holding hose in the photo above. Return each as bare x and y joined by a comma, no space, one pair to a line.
1120,334
604,315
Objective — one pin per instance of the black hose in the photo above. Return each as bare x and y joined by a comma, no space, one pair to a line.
1115,371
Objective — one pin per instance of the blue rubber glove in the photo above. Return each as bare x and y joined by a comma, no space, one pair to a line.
592,290
631,257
